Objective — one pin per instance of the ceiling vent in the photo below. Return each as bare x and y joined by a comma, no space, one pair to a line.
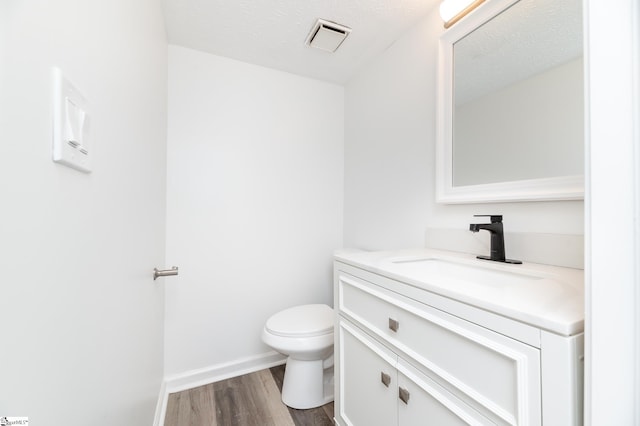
326,35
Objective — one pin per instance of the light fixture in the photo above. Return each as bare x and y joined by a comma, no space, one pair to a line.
452,11
327,35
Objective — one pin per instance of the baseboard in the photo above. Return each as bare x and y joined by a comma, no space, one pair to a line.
161,405
204,376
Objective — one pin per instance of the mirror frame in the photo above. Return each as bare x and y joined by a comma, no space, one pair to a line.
544,189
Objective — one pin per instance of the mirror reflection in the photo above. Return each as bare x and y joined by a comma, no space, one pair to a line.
518,107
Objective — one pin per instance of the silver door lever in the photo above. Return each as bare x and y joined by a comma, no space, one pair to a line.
164,272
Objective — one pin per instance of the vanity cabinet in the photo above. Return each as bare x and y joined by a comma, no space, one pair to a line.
406,356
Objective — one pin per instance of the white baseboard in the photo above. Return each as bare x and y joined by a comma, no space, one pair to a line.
204,376
161,405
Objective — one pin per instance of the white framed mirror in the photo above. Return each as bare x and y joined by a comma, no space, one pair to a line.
511,104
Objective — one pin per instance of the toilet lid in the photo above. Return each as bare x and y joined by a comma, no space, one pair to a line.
306,320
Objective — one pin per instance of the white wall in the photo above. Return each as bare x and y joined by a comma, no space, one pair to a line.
254,204
390,119
80,317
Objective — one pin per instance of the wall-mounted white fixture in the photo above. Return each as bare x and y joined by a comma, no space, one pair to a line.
70,125
452,11
326,35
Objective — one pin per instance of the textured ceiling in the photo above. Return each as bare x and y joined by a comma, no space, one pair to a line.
272,33
530,37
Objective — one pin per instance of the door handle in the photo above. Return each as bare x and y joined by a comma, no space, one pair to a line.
164,272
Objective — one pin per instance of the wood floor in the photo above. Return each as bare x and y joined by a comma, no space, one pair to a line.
249,400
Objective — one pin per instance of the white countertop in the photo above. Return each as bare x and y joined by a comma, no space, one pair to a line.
547,297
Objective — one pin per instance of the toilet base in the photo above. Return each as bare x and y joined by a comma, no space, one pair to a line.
307,384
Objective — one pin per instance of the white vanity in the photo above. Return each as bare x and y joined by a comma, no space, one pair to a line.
426,337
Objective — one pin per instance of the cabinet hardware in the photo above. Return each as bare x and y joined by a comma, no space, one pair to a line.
393,324
385,378
403,394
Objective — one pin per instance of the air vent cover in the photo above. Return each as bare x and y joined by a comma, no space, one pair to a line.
326,35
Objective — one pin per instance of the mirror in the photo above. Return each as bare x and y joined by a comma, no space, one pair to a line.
511,110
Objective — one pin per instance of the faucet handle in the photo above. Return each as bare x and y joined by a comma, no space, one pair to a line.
495,218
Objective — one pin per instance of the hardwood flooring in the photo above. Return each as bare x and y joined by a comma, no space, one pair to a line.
249,400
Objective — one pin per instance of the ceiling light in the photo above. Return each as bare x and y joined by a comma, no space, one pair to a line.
452,11
326,35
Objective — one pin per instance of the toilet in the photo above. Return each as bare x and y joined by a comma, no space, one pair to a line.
305,334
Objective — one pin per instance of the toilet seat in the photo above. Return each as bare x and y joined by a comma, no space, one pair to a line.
302,321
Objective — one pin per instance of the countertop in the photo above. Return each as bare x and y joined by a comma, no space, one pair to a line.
547,297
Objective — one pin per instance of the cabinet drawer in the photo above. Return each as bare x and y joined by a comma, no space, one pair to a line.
498,376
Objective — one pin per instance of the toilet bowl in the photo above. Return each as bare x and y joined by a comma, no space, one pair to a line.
305,334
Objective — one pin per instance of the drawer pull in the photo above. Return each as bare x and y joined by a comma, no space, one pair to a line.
403,394
393,324
385,379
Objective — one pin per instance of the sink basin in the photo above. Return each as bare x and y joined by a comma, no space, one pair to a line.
482,273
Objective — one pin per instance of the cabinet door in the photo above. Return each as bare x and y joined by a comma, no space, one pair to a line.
368,380
422,402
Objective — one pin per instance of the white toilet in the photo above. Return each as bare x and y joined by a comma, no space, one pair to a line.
305,334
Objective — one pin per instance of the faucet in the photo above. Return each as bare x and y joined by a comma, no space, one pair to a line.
497,238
